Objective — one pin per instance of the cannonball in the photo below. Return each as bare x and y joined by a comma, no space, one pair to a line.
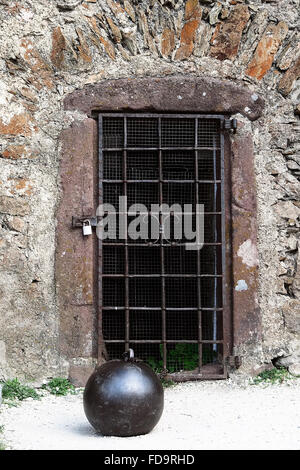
123,398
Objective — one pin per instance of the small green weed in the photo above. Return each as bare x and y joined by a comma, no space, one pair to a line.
59,386
272,376
184,356
167,383
14,390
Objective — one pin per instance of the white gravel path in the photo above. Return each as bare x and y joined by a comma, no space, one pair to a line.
199,415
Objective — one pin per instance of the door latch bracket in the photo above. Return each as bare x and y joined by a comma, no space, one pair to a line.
229,125
78,222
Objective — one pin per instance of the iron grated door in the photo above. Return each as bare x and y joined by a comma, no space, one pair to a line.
164,301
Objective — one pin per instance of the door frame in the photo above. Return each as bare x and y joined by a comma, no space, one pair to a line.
75,255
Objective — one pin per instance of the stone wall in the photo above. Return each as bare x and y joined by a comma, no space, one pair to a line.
49,49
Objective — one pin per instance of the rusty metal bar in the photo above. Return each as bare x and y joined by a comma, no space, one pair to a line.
170,341
198,256
151,213
162,255
156,244
127,316
163,115
223,238
101,343
119,149
181,309
179,276
163,181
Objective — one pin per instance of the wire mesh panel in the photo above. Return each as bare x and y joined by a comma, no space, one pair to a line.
158,297
177,132
179,193
144,260
145,293
212,355
142,193
145,324
211,260
212,325
209,167
209,133
150,353
178,260
142,132
113,260
181,292
211,292
112,193
112,166
113,325
182,357
113,292
182,325
178,165
142,165
209,194
113,133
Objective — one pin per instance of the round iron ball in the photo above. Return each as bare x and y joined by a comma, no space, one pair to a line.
123,398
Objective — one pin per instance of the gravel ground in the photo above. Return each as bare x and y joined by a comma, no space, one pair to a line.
199,415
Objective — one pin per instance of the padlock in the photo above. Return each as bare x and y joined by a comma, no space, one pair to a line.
86,227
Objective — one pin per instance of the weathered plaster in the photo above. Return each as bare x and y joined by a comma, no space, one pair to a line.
49,49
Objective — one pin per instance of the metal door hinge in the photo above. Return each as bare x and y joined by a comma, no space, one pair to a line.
233,361
229,125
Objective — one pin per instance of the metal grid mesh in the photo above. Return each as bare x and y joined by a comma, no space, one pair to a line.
143,233
112,165
142,193
209,165
181,292
150,353
178,165
113,261
115,350
179,193
182,357
143,293
142,132
211,292
208,133
173,230
113,292
186,295
182,325
112,192
212,232
179,260
212,353
211,260
112,232
113,324
212,325
113,132
145,324
209,194
144,260
142,165
177,132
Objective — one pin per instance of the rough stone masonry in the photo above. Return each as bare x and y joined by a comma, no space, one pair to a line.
51,48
